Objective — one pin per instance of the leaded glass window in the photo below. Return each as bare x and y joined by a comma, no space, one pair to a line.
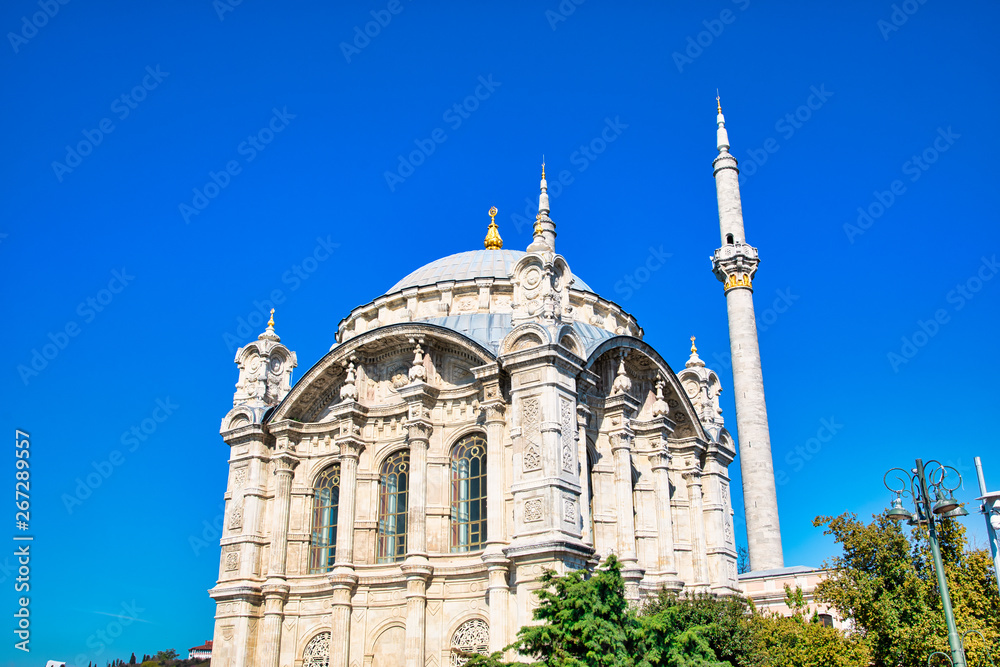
468,494
471,637
317,653
323,546
393,484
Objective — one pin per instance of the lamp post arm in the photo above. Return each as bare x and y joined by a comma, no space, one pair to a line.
954,640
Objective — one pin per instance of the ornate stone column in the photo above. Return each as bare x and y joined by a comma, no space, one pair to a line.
664,516
419,397
498,565
699,553
275,589
619,409
343,578
582,421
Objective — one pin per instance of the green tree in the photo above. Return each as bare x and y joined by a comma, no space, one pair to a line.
800,640
884,582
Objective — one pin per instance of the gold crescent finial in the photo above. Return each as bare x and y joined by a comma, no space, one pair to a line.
543,167
693,348
718,103
493,240
270,322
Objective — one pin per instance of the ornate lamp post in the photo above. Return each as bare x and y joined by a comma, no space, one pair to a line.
918,484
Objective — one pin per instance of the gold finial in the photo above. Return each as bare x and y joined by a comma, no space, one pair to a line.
543,167
270,322
693,348
718,103
493,240
538,224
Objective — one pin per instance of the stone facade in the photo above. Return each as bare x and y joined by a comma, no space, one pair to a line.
489,418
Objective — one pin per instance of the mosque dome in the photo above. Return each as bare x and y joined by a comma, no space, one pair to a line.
469,265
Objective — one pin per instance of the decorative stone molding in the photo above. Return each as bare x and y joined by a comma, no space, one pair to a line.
532,510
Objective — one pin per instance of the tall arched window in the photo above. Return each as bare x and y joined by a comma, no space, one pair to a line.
393,484
468,494
323,547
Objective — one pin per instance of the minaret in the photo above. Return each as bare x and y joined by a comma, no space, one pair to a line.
735,264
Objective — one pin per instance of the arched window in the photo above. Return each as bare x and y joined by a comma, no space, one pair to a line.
471,637
323,547
468,494
317,653
393,483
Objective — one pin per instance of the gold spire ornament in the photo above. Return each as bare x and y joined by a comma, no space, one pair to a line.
270,322
718,102
493,240
693,348
538,224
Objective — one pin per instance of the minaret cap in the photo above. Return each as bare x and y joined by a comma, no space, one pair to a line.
722,137
694,359
269,332
493,240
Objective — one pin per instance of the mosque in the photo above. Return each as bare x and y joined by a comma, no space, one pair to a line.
487,418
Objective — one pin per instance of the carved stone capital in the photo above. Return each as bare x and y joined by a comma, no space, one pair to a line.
495,412
284,462
660,459
418,430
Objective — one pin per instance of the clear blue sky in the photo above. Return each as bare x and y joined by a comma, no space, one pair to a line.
207,83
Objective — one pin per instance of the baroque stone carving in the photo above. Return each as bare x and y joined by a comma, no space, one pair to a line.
236,516
568,433
232,561
471,637
569,510
532,457
533,510
239,477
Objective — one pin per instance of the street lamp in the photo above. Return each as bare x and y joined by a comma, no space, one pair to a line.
918,483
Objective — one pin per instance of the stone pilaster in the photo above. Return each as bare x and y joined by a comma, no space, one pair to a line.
275,590
664,515
699,554
618,411
343,578
583,415
419,398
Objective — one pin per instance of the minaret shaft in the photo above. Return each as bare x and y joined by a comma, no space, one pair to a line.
735,264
